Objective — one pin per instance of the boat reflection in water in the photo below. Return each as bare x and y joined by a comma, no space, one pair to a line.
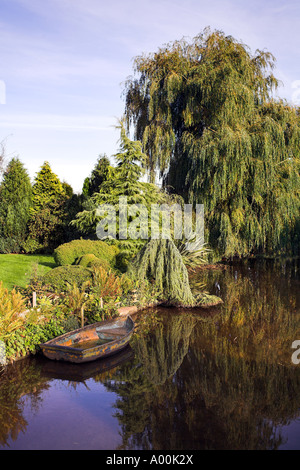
82,372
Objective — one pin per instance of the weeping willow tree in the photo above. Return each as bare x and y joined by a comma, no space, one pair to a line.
211,128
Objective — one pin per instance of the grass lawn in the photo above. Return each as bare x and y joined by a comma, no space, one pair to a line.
16,270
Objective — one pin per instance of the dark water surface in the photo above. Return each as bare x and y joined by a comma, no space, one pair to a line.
221,378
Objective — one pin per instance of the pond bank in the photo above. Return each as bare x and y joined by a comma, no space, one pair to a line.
122,311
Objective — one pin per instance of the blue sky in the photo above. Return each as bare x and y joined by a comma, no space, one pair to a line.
63,63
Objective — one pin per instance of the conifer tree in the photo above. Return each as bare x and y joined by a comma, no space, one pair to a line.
101,172
15,201
160,262
126,182
47,215
47,190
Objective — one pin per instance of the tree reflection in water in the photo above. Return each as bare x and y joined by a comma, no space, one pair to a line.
219,380
18,382
232,384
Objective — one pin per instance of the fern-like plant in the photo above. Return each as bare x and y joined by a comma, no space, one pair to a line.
106,284
77,298
12,304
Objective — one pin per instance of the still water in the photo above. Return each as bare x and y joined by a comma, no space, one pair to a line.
220,378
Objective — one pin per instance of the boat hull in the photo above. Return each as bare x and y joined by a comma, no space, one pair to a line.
114,334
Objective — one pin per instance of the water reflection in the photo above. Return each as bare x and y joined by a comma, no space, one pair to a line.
215,379
161,353
21,380
216,399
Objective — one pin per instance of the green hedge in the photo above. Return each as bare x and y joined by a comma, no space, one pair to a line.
89,261
10,245
58,279
69,253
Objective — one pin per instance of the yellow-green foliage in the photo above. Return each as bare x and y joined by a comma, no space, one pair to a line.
77,299
60,278
47,190
107,284
161,263
90,260
69,253
11,305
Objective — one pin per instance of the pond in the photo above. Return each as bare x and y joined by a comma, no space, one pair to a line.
220,378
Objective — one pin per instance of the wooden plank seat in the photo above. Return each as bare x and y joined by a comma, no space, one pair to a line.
113,333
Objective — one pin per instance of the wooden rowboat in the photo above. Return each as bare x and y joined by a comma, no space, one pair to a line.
91,342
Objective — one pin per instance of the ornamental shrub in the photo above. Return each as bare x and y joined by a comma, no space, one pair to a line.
9,245
90,260
160,262
69,253
85,260
107,284
12,304
60,278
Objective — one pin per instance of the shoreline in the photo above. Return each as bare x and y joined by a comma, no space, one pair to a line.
122,311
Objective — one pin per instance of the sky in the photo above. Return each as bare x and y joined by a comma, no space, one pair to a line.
64,64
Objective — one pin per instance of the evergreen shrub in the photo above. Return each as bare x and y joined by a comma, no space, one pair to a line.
90,260
58,279
69,253
9,245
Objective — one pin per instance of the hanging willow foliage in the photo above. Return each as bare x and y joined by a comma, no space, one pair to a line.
160,262
163,352
209,124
